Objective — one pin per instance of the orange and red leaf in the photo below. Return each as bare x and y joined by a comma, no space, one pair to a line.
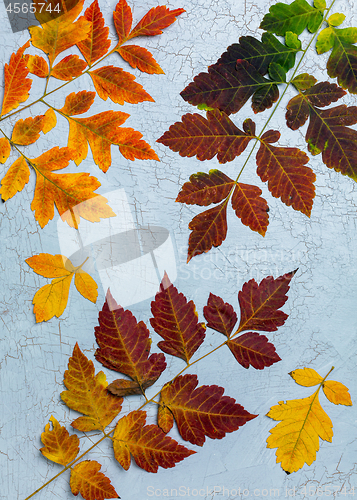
90,483
5,149
97,43
140,58
59,445
37,65
78,102
69,67
204,189
123,19
27,131
252,349
250,207
219,315
157,19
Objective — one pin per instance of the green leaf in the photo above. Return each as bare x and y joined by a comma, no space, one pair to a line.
342,63
304,81
336,19
292,40
320,4
204,107
294,17
325,40
277,73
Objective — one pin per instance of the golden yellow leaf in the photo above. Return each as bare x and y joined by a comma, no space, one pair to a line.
51,300
27,131
90,483
37,65
87,393
86,286
60,446
15,179
5,149
50,121
306,377
337,393
303,421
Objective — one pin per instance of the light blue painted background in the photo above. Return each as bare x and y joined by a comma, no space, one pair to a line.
320,331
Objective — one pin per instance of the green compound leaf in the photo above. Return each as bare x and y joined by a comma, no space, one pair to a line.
325,40
320,4
294,17
277,73
292,40
342,63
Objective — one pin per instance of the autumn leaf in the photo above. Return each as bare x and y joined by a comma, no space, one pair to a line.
165,418
50,121
70,67
87,393
51,300
250,207
59,445
303,81
303,421
295,17
118,85
327,132
37,65
140,58
17,86
123,19
219,315
205,138
97,43
27,131
77,103
260,303
90,483
148,444
252,349
202,411
60,33
176,321
124,345
204,189
288,177
5,149
157,19
15,179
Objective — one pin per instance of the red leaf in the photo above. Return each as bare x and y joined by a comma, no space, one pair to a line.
208,229
259,304
203,411
157,19
97,44
205,138
288,177
17,86
219,315
148,444
122,20
69,67
204,189
252,349
90,483
250,207
176,321
140,58
124,345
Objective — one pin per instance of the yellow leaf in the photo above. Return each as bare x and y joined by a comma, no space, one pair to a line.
37,65
15,179
51,300
306,377
90,483
86,286
60,447
337,393
50,121
5,149
27,131
87,393
50,266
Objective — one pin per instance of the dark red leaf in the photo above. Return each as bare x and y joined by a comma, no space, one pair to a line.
204,189
250,207
219,315
123,19
252,349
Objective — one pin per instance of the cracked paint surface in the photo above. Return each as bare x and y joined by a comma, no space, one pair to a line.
322,325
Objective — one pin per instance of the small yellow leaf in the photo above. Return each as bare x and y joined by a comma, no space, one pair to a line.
15,179
49,266
337,393
86,286
60,446
306,377
50,121
5,149
51,300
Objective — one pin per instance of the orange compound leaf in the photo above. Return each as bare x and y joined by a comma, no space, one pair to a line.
118,85
37,65
209,229
60,446
202,411
97,43
60,33
140,58
157,19
27,131
205,138
15,179
165,419
148,444
123,20
66,191
50,121
260,303
70,67
250,207
124,345
87,393
90,483
252,349
176,321
288,177
204,189
337,393
5,149
219,315
101,131
17,86
78,102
